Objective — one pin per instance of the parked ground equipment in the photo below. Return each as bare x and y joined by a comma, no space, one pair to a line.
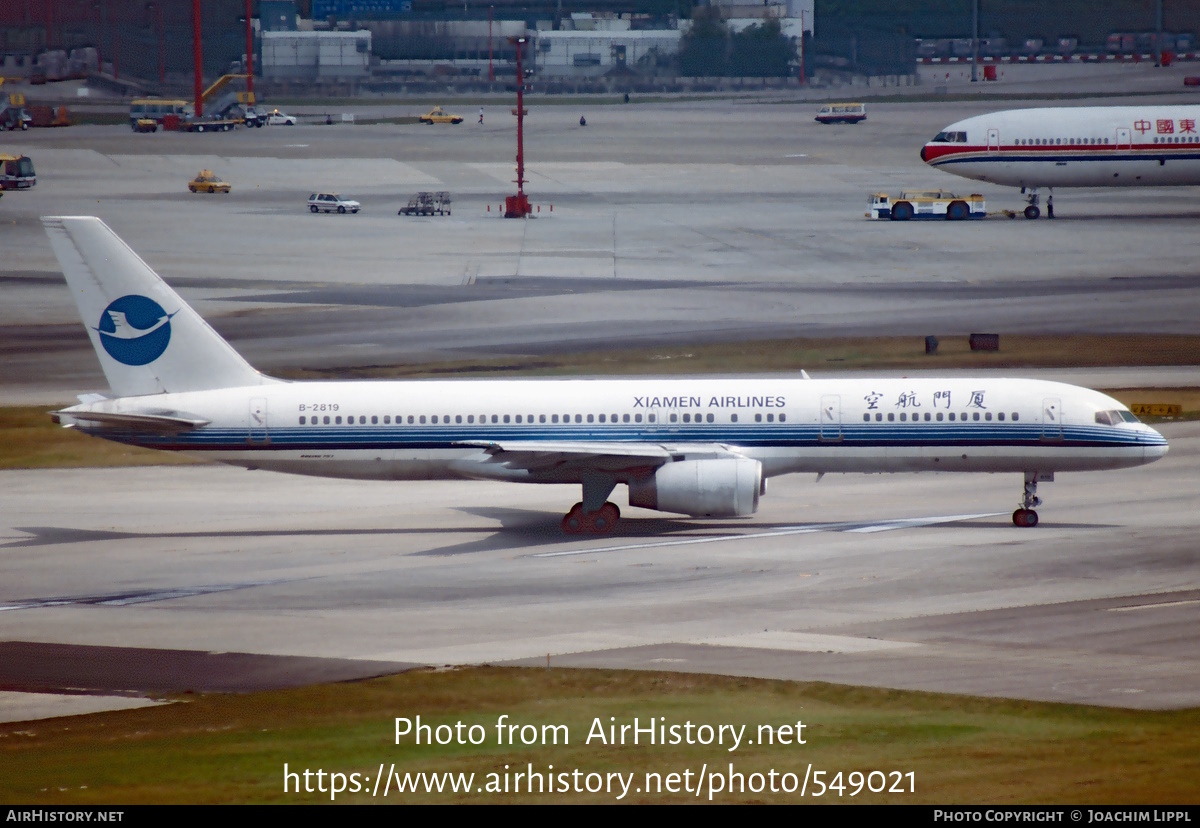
927,204
427,204
16,172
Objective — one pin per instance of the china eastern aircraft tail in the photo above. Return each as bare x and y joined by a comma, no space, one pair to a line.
132,316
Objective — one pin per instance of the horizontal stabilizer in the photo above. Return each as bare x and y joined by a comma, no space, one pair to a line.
157,422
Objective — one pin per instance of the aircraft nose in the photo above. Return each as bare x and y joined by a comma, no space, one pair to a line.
1156,450
923,154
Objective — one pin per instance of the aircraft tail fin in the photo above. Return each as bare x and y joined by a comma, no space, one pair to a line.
148,339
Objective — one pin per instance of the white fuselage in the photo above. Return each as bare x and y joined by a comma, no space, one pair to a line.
1095,146
444,429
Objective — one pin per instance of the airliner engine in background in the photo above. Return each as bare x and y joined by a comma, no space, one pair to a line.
690,446
1092,146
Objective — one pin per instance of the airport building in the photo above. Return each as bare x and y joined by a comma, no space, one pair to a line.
316,56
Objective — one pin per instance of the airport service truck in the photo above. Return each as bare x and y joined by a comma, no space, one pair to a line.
927,204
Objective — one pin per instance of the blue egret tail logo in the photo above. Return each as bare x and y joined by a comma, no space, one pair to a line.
135,330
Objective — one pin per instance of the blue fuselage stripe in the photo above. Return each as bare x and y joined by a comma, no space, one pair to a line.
917,435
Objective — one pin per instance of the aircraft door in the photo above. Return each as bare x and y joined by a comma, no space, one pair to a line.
993,140
1052,419
257,421
831,417
654,422
1124,141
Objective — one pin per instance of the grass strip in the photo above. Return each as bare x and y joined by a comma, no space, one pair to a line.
232,748
29,439
814,355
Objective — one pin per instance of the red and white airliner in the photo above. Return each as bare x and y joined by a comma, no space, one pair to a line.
1093,146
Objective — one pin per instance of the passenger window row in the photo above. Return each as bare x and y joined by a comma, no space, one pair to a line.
470,419
434,419
1040,142
939,416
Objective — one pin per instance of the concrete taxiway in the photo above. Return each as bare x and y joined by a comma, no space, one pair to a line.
912,581
671,223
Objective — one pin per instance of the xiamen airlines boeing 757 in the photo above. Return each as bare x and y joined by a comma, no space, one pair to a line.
1090,146
690,446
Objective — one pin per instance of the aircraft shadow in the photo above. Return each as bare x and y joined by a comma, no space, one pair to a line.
519,529
536,526
1063,215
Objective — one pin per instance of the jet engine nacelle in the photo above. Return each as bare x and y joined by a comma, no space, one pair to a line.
727,487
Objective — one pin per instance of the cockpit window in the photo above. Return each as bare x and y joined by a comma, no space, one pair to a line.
1116,417
950,138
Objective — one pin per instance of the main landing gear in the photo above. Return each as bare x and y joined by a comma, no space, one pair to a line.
578,522
594,514
1025,516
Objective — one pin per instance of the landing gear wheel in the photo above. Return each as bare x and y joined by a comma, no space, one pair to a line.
599,522
1032,211
605,518
573,523
1025,517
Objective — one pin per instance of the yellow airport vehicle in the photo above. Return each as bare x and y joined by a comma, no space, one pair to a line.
157,110
16,172
927,204
208,182
437,115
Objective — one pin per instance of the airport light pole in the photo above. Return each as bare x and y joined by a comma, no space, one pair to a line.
802,78
1158,35
249,52
197,59
974,40
518,206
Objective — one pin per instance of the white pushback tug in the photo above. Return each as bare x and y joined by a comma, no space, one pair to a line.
927,204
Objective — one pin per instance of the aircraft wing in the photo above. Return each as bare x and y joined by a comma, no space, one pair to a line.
536,456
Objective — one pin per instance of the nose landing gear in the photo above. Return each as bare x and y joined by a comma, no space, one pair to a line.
1026,516
1032,198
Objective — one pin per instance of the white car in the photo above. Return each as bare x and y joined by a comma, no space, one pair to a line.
332,202
277,118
